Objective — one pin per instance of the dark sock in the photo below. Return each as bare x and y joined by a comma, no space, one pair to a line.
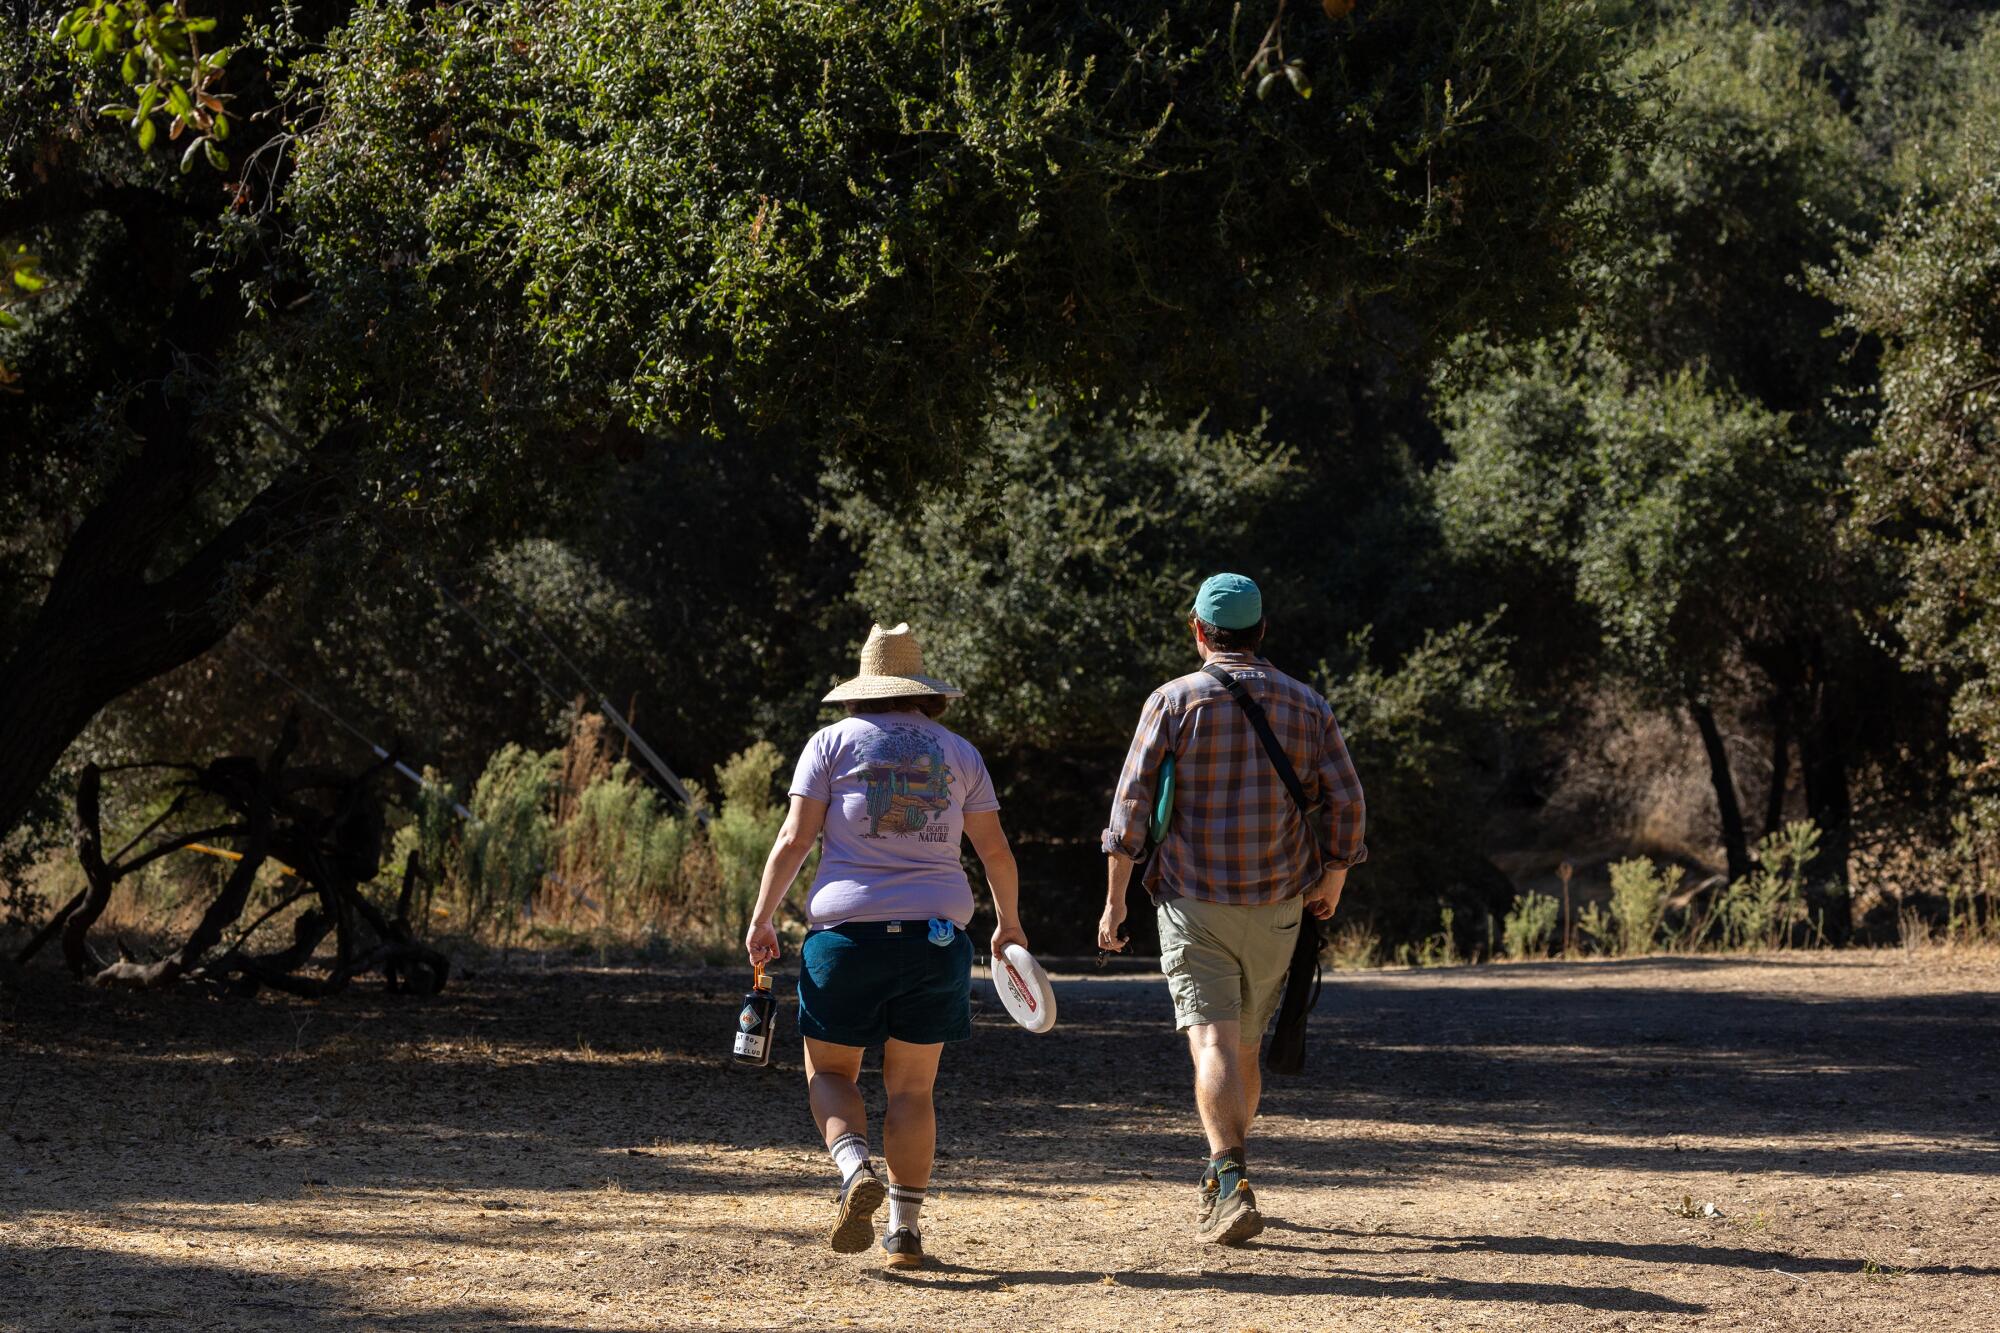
1226,1168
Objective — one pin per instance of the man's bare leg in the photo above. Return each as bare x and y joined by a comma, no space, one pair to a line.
1247,1050
1226,1088
1219,1092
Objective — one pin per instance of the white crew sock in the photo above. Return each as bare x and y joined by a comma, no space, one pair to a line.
904,1205
850,1154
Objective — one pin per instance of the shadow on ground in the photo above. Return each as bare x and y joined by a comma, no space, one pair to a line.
566,1078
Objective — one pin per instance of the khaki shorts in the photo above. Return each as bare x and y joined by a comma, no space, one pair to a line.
1225,962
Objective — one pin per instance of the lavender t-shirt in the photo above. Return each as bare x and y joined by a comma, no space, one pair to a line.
897,788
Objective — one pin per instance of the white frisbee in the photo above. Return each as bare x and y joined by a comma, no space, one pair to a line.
1024,988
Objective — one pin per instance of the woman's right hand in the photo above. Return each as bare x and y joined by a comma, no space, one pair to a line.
761,943
1006,933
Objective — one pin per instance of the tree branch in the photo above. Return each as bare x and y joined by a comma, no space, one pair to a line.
181,843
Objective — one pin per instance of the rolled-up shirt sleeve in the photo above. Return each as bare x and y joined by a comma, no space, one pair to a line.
1132,803
1341,806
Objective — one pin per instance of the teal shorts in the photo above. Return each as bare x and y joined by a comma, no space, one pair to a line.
862,983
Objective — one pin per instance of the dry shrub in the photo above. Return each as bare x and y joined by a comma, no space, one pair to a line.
701,887
1636,774
1947,891
622,845
1355,946
612,861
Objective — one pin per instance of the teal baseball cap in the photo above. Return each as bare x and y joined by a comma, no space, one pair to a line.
1229,601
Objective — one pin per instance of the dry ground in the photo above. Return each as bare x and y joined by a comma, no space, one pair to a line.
563,1148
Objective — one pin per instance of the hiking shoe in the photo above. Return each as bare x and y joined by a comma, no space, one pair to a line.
1205,1205
854,1214
1233,1218
904,1248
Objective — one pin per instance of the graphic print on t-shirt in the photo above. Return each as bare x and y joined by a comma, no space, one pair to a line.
908,784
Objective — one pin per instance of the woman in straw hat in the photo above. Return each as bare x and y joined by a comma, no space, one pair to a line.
886,958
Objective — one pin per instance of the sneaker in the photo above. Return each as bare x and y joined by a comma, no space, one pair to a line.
1232,1218
904,1247
854,1213
1205,1204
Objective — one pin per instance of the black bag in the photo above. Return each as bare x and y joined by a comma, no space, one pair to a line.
1287,1051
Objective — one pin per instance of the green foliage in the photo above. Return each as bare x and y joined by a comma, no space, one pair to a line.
902,312
509,841
1931,95
1927,488
1639,893
625,847
743,831
1658,495
1531,926
22,902
1969,866
1053,585
1669,507
432,832
156,50
1439,949
20,280
463,259
866,222
1762,910
1596,929
614,856
1759,171
748,782
1422,734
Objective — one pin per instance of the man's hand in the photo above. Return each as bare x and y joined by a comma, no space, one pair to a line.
761,942
1325,896
1108,924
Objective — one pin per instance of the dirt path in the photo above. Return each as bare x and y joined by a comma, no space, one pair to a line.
1488,1148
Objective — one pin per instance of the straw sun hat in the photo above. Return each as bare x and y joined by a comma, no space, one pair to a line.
892,667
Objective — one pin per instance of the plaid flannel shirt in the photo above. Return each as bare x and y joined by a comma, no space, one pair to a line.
1236,835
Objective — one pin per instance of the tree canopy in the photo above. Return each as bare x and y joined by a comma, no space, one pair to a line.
1547,362
310,282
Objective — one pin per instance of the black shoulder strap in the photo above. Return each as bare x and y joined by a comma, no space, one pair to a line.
1260,724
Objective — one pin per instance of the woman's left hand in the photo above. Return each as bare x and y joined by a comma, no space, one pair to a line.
1009,933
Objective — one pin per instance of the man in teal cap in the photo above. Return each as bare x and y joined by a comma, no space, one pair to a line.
1238,865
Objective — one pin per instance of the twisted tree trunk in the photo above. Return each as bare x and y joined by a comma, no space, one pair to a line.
1735,842
105,628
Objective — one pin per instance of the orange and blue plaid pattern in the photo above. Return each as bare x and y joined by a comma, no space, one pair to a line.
1236,835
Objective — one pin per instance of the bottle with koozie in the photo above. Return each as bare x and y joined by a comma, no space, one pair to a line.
755,1021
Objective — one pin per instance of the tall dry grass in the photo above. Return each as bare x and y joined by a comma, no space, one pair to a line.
573,847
